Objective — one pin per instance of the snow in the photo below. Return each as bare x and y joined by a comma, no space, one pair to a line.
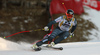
94,17
8,45
75,48
91,47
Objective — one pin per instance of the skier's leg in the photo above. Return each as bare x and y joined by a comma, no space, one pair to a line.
56,32
39,43
36,45
43,40
61,37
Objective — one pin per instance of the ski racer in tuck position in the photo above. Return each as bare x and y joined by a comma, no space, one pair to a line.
65,23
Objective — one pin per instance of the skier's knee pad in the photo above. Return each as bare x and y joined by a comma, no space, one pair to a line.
65,37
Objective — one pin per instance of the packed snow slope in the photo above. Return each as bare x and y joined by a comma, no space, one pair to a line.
74,48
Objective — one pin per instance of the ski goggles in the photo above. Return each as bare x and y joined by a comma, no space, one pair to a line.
69,15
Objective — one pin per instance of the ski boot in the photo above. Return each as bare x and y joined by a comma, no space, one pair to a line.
36,48
51,44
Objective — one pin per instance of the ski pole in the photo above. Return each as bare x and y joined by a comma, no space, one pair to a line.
16,33
22,32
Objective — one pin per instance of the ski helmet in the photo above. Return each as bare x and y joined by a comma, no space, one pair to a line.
69,14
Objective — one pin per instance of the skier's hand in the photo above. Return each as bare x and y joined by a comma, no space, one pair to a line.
71,35
46,28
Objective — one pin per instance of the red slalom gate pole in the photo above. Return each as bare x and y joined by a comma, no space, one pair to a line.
64,6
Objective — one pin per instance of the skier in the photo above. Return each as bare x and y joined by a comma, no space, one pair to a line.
65,23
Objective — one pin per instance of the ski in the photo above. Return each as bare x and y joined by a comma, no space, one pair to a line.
56,48
52,48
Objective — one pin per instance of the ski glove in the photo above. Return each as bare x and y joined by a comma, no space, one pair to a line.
71,35
46,28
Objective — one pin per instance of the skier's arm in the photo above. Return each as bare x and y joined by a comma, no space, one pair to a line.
54,21
50,23
46,28
74,26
